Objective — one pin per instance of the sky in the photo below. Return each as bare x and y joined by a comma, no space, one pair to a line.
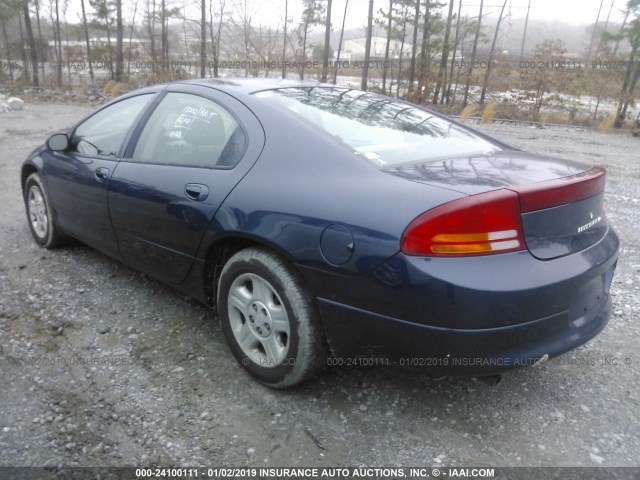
271,12
570,11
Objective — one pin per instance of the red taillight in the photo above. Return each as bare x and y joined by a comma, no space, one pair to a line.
489,223
552,193
482,224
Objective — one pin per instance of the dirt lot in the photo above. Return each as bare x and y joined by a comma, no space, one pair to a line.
103,366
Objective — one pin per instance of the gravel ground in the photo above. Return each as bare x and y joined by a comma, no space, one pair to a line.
103,366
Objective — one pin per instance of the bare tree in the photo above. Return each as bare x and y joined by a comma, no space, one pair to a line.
151,16
344,19
539,81
453,56
604,35
36,4
632,72
164,35
465,101
385,66
215,37
445,56
424,48
32,44
86,39
404,19
23,50
594,32
55,22
6,14
243,11
65,9
203,37
327,43
487,72
621,32
131,30
119,45
266,49
103,15
414,46
524,34
367,48
165,15
311,15
284,39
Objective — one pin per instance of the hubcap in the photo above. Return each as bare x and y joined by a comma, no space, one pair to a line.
38,211
258,320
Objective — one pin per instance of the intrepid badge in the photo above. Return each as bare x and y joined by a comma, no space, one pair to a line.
590,224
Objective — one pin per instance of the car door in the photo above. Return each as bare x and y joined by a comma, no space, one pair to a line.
78,178
190,153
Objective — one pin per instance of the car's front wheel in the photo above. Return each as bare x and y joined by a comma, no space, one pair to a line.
269,318
41,220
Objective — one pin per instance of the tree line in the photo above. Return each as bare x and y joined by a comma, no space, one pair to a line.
433,53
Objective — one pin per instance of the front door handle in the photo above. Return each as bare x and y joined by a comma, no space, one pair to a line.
102,174
196,191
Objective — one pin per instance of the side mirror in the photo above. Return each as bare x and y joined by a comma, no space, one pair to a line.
58,142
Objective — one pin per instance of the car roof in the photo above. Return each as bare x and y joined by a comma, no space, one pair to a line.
248,86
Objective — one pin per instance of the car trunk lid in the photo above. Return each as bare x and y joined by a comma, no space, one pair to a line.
563,216
561,202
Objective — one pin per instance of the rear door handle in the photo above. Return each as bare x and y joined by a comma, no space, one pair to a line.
196,191
102,174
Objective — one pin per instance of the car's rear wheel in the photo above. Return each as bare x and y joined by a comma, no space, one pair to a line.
269,318
41,220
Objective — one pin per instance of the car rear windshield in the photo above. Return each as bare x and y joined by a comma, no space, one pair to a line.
383,130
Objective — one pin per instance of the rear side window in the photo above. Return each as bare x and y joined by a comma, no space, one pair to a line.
103,133
191,131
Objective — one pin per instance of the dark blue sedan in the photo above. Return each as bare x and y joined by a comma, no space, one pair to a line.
326,222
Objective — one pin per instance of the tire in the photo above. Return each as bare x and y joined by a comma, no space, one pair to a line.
270,319
39,214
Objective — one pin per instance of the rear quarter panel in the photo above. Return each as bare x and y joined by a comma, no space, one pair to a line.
305,181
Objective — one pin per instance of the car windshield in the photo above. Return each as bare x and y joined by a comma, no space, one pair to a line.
385,131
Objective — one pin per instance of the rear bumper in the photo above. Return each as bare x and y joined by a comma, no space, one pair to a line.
474,316
378,340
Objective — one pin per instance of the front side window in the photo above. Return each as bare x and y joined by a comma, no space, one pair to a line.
104,132
191,131
384,131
